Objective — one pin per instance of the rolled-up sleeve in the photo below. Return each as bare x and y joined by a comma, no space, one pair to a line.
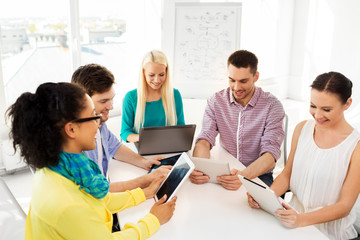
146,227
274,130
209,129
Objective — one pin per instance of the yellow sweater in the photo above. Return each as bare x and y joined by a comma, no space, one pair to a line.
59,210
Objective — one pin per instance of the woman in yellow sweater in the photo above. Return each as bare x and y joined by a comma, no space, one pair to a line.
70,198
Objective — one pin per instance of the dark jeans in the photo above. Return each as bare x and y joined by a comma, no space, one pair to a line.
267,178
116,224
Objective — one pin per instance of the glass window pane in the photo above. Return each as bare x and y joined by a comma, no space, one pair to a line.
34,46
103,39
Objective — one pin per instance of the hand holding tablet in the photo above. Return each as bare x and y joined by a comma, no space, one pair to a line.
211,167
265,197
166,161
176,177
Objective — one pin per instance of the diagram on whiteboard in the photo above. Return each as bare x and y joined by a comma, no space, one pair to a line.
205,36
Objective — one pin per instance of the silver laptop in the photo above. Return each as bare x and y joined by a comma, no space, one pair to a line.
168,139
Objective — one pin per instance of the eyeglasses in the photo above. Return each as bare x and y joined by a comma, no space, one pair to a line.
96,119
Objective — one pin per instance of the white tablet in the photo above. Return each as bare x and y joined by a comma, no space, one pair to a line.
211,167
177,176
266,197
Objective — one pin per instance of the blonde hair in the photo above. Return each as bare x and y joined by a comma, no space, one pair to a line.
167,92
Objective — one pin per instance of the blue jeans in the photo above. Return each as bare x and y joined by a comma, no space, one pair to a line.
267,178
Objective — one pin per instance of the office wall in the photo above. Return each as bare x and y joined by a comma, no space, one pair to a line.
266,30
143,34
295,41
2,97
3,133
326,38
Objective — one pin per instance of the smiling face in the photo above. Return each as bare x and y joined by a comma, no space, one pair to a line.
104,103
242,83
87,130
326,108
155,75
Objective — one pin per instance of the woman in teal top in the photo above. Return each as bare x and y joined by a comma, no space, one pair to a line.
154,103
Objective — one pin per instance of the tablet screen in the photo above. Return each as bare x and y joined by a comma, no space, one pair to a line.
166,161
179,171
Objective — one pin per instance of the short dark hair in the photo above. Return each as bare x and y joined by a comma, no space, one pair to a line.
334,82
94,78
38,119
243,59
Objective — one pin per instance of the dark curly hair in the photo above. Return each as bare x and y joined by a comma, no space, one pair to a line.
94,78
334,82
37,121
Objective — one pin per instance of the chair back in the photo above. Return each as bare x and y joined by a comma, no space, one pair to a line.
286,123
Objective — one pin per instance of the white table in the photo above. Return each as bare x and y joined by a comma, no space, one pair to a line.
209,211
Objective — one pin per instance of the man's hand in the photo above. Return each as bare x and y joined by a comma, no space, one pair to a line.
147,163
230,182
198,177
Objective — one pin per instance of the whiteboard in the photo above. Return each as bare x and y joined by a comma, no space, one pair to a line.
205,35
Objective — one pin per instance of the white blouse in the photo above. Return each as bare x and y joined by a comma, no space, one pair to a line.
317,178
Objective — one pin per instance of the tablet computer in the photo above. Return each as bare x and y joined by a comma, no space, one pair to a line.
176,177
266,197
211,167
166,161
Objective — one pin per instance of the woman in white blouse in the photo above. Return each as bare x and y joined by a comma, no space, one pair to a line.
323,170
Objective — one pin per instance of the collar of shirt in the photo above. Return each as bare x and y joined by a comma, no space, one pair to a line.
252,101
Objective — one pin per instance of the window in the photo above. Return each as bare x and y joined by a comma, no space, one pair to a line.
44,50
103,38
33,45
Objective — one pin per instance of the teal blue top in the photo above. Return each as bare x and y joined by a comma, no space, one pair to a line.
154,113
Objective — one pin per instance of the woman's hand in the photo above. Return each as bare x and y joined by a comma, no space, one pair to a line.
150,190
288,216
162,171
252,202
164,211
133,137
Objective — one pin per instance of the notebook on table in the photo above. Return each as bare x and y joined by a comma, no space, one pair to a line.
167,139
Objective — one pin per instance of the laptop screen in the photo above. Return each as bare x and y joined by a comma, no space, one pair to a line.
167,139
